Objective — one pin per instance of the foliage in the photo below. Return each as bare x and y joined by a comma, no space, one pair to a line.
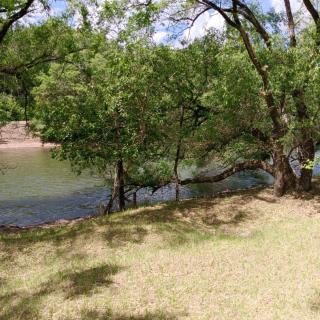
27,51
107,94
9,108
104,106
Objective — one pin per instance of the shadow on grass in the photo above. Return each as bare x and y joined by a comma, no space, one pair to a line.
26,305
175,224
73,283
15,242
56,234
195,211
86,282
109,315
315,302
3,281
313,194
120,234
179,223
27,309
195,218
21,305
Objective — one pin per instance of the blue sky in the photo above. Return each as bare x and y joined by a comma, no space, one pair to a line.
205,22
60,4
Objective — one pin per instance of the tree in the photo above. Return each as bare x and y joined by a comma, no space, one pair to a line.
105,108
27,51
194,68
284,79
10,13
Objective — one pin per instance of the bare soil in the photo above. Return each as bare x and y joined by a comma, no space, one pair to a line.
16,135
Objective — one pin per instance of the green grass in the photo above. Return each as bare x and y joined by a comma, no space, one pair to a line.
245,256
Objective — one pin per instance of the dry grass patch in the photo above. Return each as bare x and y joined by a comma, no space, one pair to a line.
244,256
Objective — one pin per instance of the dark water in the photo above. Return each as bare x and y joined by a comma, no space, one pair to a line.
39,189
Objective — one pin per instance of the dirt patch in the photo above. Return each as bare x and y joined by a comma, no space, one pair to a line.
16,135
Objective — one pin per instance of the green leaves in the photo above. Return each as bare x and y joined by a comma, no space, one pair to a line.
103,106
9,108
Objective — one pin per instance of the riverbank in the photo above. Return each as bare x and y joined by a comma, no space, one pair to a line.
241,256
16,135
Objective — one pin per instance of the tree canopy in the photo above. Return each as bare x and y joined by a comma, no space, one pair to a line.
118,102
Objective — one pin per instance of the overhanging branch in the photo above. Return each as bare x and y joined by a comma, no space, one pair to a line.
5,26
248,165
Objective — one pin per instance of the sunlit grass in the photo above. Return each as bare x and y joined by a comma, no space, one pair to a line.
246,256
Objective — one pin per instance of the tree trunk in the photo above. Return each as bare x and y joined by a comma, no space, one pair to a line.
119,181
176,175
108,208
178,151
177,191
279,187
290,21
118,189
306,151
306,154
119,175
284,178
315,16
134,199
26,108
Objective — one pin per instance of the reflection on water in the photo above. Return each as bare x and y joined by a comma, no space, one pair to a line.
40,189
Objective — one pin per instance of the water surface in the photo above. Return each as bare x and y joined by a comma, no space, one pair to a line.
40,189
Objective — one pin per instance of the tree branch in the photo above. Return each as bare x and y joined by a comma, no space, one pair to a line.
312,10
248,165
44,58
250,16
220,10
291,26
5,26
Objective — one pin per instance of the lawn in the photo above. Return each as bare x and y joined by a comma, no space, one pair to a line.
242,256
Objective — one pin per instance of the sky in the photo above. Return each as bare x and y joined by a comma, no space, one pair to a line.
214,20
206,21
60,4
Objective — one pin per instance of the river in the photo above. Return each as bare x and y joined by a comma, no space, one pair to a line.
38,189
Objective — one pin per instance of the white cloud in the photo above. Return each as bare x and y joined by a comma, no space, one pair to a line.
208,20
160,36
278,5
37,14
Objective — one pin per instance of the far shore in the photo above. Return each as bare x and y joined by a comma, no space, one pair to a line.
15,135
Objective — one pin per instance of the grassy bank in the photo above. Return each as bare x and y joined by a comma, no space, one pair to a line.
246,256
